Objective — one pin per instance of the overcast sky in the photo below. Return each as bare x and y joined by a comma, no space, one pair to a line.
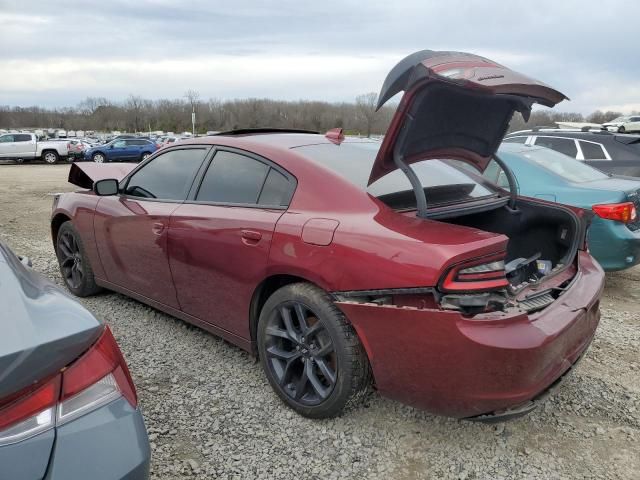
55,53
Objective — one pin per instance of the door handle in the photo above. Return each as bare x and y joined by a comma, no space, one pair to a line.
158,228
251,235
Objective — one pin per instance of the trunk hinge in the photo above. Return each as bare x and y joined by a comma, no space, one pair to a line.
513,185
398,159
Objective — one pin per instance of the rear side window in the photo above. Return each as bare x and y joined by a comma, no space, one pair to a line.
592,151
515,140
233,178
562,145
22,138
168,176
277,190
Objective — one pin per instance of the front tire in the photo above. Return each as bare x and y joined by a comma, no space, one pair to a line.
73,261
622,129
311,355
98,157
50,157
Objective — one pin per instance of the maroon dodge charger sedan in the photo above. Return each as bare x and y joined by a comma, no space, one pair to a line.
341,262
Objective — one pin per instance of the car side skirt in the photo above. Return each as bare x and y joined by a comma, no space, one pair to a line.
243,343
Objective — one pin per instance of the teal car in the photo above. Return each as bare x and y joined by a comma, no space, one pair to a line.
614,235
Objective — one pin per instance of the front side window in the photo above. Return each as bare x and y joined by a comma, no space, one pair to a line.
233,178
562,145
119,144
6,138
168,176
592,151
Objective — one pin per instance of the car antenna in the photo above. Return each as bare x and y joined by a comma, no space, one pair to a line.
335,135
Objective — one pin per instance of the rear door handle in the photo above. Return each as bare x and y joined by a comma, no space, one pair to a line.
158,228
251,235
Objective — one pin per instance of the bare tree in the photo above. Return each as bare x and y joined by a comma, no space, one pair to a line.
134,106
366,106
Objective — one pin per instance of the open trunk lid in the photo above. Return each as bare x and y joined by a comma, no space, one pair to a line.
456,105
43,329
85,174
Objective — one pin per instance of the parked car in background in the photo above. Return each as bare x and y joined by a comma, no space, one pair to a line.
614,235
170,140
624,124
121,150
24,147
68,406
318,254
609,152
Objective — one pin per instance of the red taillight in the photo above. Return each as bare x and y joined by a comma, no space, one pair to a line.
29,402
101,359
482,274
620,212
99,376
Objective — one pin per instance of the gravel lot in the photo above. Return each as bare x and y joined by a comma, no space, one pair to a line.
211,414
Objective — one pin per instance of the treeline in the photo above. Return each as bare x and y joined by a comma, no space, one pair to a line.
137,114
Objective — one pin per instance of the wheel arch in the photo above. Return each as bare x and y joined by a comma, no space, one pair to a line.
56,222
261,294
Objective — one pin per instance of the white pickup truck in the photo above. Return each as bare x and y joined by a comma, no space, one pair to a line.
24,147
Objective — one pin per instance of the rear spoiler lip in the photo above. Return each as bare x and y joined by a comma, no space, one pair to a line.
84,175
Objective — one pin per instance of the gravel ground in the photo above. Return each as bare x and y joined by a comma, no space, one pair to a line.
211,414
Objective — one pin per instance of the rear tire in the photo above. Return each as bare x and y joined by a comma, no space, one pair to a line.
74,264
144,156
50,157
311,355
98,157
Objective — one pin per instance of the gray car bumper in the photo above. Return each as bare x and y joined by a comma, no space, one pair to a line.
109,443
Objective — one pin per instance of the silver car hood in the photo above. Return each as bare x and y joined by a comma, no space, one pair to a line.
42,329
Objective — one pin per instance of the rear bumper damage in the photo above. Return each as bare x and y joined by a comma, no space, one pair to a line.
492,364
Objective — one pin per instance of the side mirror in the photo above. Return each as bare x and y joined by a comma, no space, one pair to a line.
110,146
106,187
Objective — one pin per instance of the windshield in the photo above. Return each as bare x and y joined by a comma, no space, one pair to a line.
567,167
444,182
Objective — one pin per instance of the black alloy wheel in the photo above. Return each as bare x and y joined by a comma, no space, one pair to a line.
74,266
300,353
70,260
310,353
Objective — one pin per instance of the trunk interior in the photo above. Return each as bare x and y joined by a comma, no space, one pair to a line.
542,238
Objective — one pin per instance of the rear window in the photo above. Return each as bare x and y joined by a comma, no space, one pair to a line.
444,182
569,168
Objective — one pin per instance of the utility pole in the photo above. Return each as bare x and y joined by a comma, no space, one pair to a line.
193,97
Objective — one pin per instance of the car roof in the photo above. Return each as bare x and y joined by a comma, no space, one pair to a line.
284,140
